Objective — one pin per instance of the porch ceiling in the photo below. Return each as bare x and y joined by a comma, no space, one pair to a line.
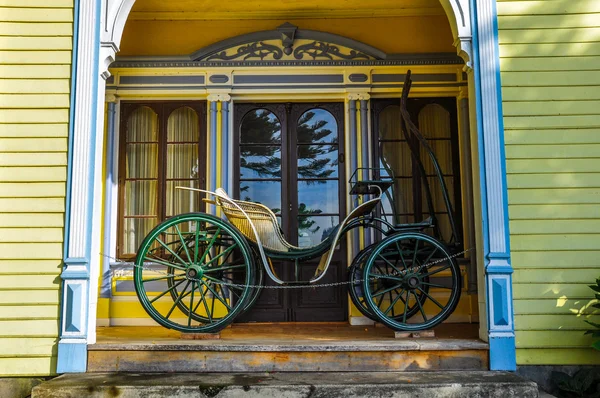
290,9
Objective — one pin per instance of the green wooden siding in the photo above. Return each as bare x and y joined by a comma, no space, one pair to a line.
549,59
35,64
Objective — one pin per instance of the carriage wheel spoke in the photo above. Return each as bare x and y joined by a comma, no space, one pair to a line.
406,306
439,269
420,307
391,307
191,304
429,257
197,241
401,256
187,252
226,251
171,251
216,295
178,300
165,263
431,298
414,259
223,268
158,278
436,285
389,263
203,300
167,291
386,290
210,244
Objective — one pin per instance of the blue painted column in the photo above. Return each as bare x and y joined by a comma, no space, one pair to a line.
364,147
493,187
110,181
352,159
225,142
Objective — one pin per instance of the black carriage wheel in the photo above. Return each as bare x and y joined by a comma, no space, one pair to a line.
403,267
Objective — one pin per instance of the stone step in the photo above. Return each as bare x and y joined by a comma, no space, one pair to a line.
296,356
473,384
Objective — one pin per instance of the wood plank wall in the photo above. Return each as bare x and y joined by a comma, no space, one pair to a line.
550,63
35,66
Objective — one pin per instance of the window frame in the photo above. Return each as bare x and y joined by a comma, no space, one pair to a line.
163,110
414,107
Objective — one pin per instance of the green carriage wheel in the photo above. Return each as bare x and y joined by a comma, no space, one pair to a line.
355,286
403,267
192,273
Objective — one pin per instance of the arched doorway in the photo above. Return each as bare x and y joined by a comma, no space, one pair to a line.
83,240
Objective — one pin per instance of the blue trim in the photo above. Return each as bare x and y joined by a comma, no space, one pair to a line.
225,144
72,102
364,146
353,156
501,126
212,158
499,345
72,357
105,288
498,278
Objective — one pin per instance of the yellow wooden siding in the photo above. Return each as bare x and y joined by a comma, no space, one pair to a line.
35,66
549,58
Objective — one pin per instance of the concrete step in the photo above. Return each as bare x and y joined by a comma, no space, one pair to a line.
472,384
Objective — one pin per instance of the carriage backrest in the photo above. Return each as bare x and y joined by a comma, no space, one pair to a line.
262,217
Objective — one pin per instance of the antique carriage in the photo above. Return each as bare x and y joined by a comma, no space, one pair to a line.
197,272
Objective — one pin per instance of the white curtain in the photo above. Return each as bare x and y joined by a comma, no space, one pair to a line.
141,174
434,124
182,161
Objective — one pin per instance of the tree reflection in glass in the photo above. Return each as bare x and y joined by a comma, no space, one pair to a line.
317,164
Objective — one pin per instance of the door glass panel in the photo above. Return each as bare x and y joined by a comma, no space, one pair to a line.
260,126
317,161
260,159
314,229
260,162
316,197
267,193
317,126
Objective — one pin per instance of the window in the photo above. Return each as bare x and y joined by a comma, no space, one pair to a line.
436,119
161,147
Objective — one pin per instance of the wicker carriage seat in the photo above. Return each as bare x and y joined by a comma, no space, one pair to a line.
266,225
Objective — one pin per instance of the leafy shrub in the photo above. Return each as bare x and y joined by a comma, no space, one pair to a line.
584,384
596,331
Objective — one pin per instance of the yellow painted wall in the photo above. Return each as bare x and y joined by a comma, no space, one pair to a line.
550,57
418,34
35,58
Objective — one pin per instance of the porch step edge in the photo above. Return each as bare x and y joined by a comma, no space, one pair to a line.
290,385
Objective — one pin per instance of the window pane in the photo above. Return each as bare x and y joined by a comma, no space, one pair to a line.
317,126
182,161
183,126
390,123
140,198
443,152
260,126
316,197
434,121
399,198
317,161
267,193
260,161
134,232
179,200
396,156
141,160
142,125
314,229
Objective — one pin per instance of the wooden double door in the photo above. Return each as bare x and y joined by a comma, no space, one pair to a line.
290,157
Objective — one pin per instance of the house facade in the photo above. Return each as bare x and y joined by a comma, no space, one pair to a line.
107,106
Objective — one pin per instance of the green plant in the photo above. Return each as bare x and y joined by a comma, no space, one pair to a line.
584,383
596,331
